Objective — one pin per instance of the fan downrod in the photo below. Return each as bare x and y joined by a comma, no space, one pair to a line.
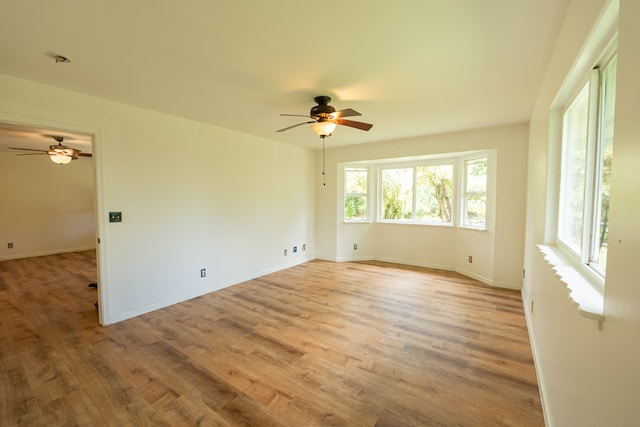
322,100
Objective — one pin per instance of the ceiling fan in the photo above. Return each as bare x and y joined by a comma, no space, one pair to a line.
60,154
326,118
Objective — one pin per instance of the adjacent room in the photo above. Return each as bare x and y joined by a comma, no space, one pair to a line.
418,213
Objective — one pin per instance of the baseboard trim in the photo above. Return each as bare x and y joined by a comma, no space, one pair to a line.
46,253
485,280
532,342
416,263
118,317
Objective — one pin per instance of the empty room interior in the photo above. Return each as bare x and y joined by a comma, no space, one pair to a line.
295,214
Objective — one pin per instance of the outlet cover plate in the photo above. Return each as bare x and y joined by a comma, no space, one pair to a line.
115,216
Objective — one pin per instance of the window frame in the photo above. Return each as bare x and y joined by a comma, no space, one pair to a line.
375,201
595,141
380,206
452,196
366,195
414,167
464,192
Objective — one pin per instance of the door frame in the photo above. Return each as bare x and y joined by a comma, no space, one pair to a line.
95,134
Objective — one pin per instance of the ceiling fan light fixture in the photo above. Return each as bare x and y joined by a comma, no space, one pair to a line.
60,159
323,128
325,118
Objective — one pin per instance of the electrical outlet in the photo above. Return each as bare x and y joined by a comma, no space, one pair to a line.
10,245
203,272
285,252
304,246
295,249
355,246
470,259
115,216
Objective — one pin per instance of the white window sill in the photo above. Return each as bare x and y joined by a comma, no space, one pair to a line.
468,227
583,292
429,224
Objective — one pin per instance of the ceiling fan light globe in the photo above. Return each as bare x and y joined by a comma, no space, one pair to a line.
323,128
60,159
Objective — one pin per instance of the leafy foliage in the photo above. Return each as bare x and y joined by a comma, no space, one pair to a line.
355,200
433,189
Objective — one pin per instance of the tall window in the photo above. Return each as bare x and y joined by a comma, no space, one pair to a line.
587,151
355,194
434,193
417,194
397,194
474,210
574,155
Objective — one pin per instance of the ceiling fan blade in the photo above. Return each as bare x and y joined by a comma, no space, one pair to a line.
291,127
28,149
295,115
31,154
84,154
351,123
348,112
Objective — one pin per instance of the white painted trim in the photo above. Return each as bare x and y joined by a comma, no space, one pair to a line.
534,352
108,319
485,280
416,263
507,285
46,253
353,259
101,261
588,300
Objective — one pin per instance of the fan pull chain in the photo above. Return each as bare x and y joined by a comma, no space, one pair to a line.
324,180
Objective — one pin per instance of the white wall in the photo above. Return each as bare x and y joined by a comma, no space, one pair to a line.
497,252
589,377
192,196
46,208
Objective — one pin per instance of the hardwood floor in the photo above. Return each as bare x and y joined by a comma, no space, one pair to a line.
341,344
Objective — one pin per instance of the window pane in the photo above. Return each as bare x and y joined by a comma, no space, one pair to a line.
475,200
476,210
605,156
433,193
355,208
477,175
572,187
355,181
355,194
397,193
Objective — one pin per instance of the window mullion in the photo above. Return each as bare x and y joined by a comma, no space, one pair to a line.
415,194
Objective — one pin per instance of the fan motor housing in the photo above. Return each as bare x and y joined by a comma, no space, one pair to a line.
322,110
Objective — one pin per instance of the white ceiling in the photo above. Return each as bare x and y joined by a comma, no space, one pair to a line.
411,67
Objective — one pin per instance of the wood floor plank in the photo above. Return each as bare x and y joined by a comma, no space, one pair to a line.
344,344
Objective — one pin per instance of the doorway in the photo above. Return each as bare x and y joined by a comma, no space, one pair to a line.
49,204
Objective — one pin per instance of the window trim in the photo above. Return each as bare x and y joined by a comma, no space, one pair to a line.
414,166
464,193
583,260
367,195
588,298
456,158
450,160
590,304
